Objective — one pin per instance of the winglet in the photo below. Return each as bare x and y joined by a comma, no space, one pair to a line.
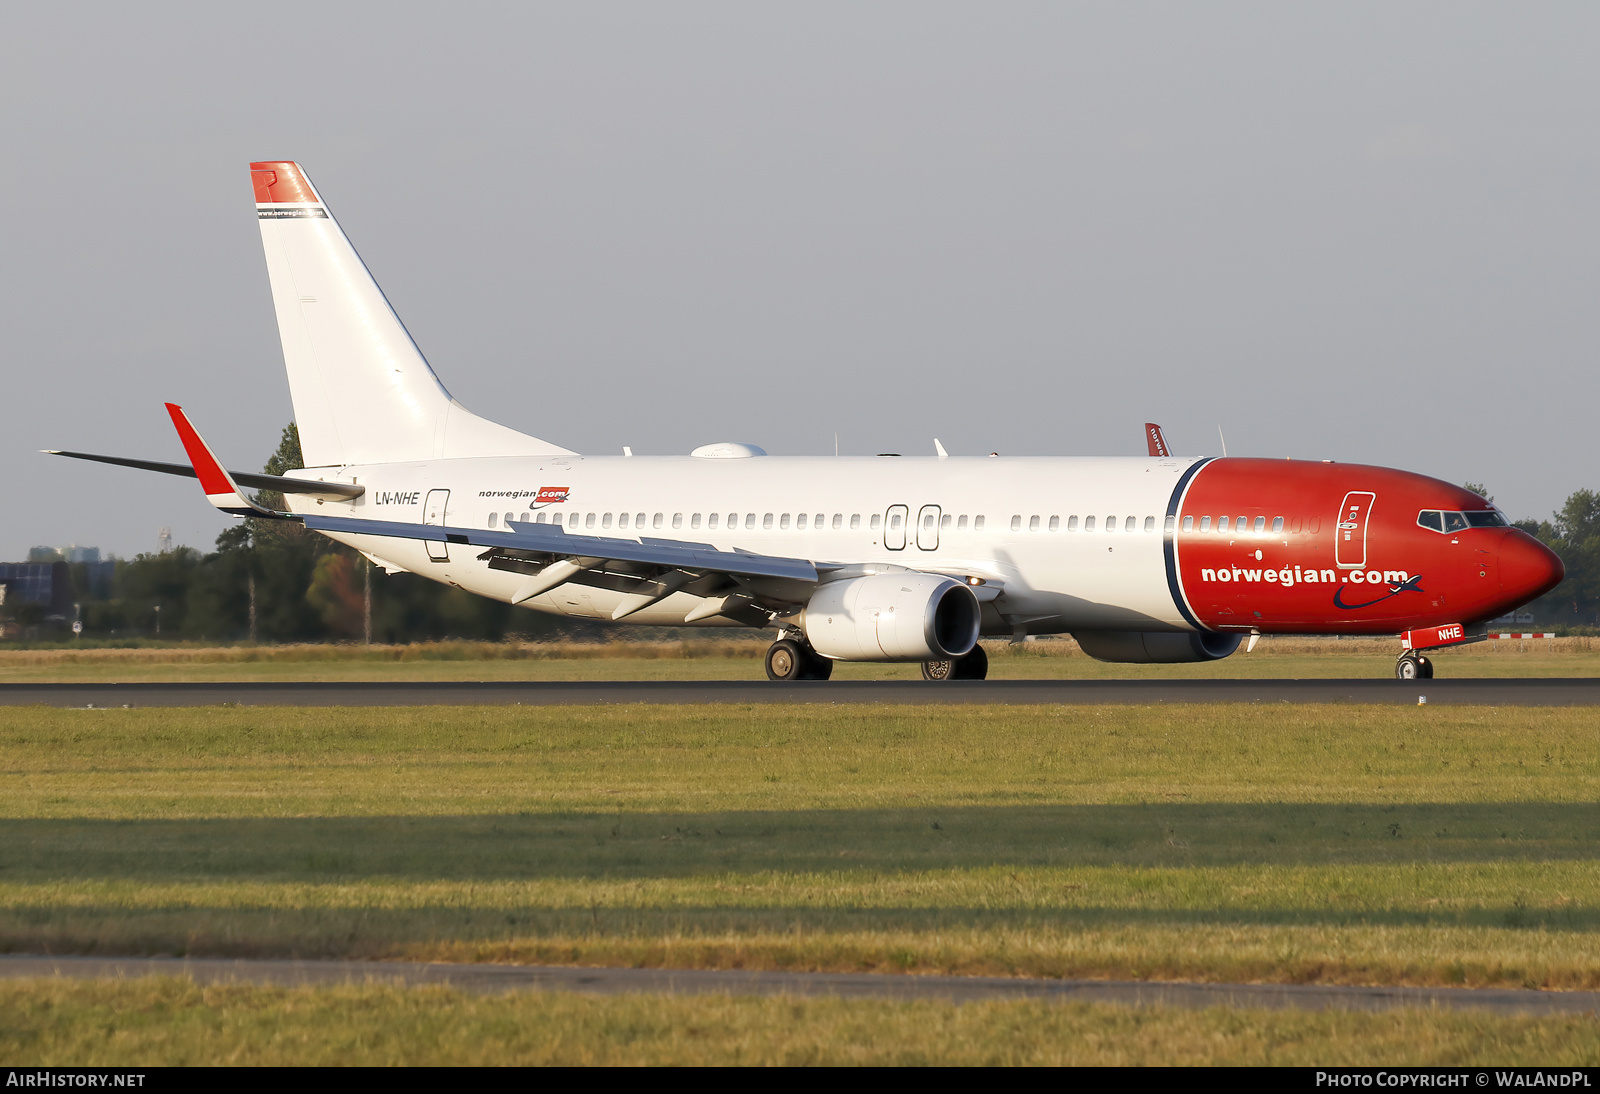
219,486
1155,441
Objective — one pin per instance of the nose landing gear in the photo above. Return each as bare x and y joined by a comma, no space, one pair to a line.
788,659
1413,666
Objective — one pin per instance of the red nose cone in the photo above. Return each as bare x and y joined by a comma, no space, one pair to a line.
1528,568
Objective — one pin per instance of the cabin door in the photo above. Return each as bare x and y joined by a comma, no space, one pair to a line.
433,511
1350,549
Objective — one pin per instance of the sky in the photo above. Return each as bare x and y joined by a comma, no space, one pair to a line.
1367,232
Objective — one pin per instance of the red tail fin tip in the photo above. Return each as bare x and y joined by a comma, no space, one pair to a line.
281,180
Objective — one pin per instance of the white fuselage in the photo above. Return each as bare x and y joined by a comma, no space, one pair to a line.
1019,522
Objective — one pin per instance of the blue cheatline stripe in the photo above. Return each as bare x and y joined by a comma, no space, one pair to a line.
1171,546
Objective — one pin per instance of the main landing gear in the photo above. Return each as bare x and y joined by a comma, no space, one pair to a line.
974,666
788,659
1413,666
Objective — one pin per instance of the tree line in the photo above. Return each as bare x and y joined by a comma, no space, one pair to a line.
275,581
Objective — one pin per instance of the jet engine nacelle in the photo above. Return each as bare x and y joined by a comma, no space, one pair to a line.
1156,647
905,616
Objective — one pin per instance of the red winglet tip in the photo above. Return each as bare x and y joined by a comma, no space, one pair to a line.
213,479
281,180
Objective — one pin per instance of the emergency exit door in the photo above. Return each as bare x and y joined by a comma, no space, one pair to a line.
433,511
928,528
1350,549
894,527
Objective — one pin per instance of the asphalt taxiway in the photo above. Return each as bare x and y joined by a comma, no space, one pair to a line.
603,981
1583,691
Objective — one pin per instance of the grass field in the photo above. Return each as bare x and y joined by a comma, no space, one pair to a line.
1425,845
709,659
1341,844
155,1022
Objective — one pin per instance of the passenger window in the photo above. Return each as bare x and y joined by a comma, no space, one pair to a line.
655,521
961,524
783,522
1240,524
855,521
1277,525
677,520
605,521
1454,522
492,518
1188,523
894,523
508,519
1130,524
1033,523
1111,524
1205,524
1055,524
877,519
800,522
816,521
750,522
588,520
733,521
838,521
927,522
542,518
525,518
694,521
944,521
1072,523
622,520
711,520
1431,519
766,523
1261,525
1088,524
1016,522
977,523
1150,524
1296,525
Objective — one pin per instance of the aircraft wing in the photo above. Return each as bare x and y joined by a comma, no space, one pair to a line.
540,540
343,491
736,584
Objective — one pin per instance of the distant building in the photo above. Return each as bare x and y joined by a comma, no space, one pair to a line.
48,585
70,553
164,540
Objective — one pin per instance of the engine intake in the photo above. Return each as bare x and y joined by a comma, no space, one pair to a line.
905,616
1156,647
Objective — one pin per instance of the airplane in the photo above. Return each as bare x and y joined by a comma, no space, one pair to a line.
1156,559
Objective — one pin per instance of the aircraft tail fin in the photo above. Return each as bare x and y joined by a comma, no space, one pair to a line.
362,391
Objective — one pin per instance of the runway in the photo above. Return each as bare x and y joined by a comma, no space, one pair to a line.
959,989
1483,692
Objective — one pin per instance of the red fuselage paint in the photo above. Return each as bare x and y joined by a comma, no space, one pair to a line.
1349,556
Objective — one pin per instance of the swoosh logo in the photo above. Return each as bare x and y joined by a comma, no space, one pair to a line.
1409,585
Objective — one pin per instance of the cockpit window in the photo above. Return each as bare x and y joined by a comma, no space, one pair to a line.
1446,521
